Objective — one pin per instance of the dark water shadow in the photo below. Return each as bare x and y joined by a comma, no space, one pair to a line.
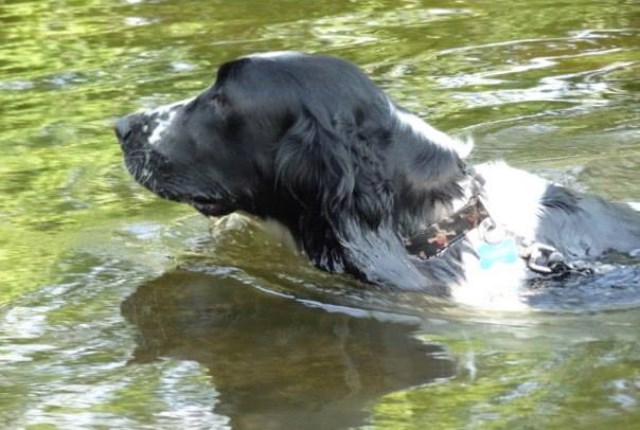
276,362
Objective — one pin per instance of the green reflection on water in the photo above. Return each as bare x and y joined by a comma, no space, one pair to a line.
549,86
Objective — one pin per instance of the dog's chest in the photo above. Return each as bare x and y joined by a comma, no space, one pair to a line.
494,274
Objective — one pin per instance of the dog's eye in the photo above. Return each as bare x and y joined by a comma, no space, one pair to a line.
219,100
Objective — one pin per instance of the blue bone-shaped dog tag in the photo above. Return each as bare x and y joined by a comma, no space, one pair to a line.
504,251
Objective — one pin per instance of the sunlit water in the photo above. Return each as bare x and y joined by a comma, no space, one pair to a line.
118,310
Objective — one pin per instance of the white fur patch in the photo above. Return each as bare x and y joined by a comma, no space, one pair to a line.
274,54
164,118
513,197
635,206
421,128
497,288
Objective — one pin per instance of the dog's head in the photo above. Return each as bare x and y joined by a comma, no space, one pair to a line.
306,140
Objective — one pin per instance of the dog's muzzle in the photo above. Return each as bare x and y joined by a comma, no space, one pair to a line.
127,127
123,128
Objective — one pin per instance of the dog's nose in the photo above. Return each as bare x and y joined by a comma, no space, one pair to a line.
123,128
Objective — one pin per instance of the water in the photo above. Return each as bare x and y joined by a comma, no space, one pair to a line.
118,310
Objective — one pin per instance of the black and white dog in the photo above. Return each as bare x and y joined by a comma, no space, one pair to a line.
363,185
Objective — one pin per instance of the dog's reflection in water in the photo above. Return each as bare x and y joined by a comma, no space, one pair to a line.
277,363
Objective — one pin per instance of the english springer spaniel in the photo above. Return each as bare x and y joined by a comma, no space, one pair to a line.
363,185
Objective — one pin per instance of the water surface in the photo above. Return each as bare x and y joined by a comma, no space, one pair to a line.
118,310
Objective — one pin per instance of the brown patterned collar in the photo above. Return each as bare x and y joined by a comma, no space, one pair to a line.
439,236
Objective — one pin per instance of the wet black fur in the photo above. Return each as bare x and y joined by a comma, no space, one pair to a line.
311,142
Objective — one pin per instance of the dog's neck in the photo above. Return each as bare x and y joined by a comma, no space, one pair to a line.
432,180
421,207
352,208
343,241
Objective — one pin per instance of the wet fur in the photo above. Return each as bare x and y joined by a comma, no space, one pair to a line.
312,143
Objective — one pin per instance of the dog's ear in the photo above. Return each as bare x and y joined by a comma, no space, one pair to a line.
339,176
314,165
